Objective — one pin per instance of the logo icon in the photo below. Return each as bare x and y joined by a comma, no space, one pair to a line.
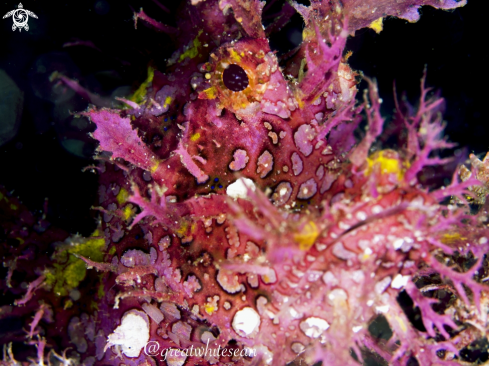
20,17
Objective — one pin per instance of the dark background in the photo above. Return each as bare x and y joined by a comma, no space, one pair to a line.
46,158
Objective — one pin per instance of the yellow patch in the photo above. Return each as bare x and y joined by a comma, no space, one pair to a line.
195,137
307,236
210,93
154,167
302,73
308,33
182,230
129,212
387,165
209,309
122,196
401,324
13,207
139,94
167,102
377,25
192,51
452,238
69,271
234,56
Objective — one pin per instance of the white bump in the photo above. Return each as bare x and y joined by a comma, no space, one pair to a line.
398,243
399,281
246,322
360,215
376,209
313,327
297,347
382,309
239,189
132,335
330,279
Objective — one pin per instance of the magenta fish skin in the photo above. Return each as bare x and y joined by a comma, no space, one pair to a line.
244,210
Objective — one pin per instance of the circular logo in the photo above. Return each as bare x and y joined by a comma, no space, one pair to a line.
20,18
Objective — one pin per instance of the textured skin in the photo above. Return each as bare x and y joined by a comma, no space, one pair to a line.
328,235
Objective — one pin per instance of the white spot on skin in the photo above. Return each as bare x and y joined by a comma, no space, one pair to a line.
360,215
252,280
320,247
307,189
270,277
357,328
264,353
407,245
313,327
264,164
297,347
313,276
337,296
207,337
246,322
280,109
358,276
328,181
303,137
398,243
238,188
240,160
294,314
191,285
132,335
340,252
320,172
328,150
229,281
382,309
382,285
483,240
135,257
297,164
376,209
282,193
175,357
399,281
330,279
274,137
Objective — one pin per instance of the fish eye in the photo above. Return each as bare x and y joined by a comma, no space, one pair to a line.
235,78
